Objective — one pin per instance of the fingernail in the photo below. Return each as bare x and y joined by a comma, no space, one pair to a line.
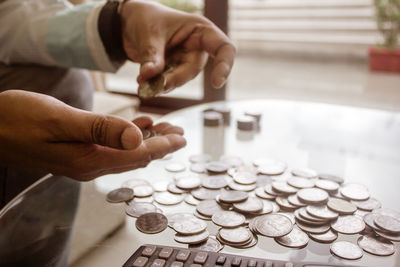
219,82
131,138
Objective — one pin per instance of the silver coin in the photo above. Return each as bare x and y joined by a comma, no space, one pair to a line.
175,167
147,133
189,182
269,190
152,87
322,211
341,206
369,220
173,189
312,195
167,198
204,193
217,167
198,167
143,190
214,182
368,205
304,214
273,225
190,226
304,218
120,195
208,207
305,172
289,215
295,239
135,209
250,205
211,245
252,242
267,208
151,223
346,250
177,217
327,185
270,166
232,196
200,216
237,235
355,192
348,224
232,161
313,229
192,239
228,219
376,245
284,203
142,199
263,180
189,199
389,236
295,201
388,223
300,182
283,187
331,177
388,212
327,237
242,187
132,183
260,192
200,158
160,186
245,178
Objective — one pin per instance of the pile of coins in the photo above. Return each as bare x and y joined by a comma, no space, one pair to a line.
261,199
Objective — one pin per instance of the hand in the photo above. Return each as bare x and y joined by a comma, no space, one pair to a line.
154,36
38,131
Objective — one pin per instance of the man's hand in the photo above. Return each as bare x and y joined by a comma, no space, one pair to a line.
156,36
38,131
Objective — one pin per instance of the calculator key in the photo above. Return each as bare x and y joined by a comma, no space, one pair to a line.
176,264
165,253
289,264
183,255
252,263
221,260
201,257
148,251
158,263
236,261
140,262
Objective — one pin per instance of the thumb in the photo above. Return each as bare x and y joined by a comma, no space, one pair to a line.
105,130
151,58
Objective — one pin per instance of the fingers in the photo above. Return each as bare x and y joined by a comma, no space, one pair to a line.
143,122
151,52
165,128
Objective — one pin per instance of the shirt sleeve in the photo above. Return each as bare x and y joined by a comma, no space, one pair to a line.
53,33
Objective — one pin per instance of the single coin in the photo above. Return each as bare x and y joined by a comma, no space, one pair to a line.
217,167
346,250
189,182
175,167
250,205
200,158
167,198
214,182
211,245
305,172
177,217
190,226
189,199
289,215
369,220
295,239
263,180
260,192
192,239
355,192
303,217
204,193
388,212
200,216
198,167
327,237
300,182
120,195
273,225
327,185
245,178
232,161
270,166
160,186
331,177
313,229
212,118
283,187
237,235
389,236
147,133
295,201
267,208
153,87
322,211
303,213
312,195
284,203
173,189
242,187
348,225
388,223
341,206
132,183
228,219
151,223
135,209
208,207
232,196
141,199
376,245
368,205
143,190
246,123
269,190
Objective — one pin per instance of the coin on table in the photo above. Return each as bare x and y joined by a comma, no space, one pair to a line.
289,215
151,223
217,167
267,208
175,167
310,218
208,207
188,182
368,205
177,217
269,190
312,195
237,235
253,241
341,206
327,185
327,237
198,167
232,161
189,199
204,193
346,250
244,177
190,226
132,183
120,195
389,236
142,199
348,224
313,229
284,203
232,196
161,186
305,172
211,244
250,205
135,209
200,158
173,189
295,239
321,211
376,245
192,239
200,216
369,220
283,187
242,187
388,212
273,225
228,219
167,198
260,192
143,190
295,201
388,223
355,192
270,166
300,182
330,177
214,182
